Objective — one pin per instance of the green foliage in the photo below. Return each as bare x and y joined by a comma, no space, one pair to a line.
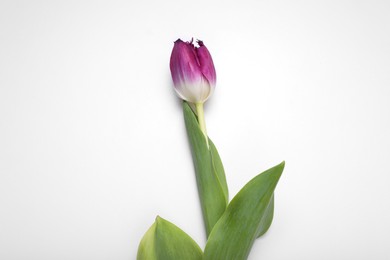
231,228
165,241
210,176
266,221
244,219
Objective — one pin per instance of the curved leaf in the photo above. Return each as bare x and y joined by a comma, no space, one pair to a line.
218,169
268,216
234,234
165,241
210,177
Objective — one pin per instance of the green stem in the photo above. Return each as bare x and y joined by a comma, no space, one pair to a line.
202,123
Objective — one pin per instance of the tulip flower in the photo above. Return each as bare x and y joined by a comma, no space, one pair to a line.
193,75
231,227
193,71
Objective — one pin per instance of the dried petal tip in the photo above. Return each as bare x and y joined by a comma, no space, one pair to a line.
193,71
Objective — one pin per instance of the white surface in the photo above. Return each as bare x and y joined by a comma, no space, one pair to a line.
92,139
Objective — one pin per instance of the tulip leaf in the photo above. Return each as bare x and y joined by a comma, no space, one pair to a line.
210,176
165,241
266,221
234,234
218,169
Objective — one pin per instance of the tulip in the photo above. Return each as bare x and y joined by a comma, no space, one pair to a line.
193,71
193,75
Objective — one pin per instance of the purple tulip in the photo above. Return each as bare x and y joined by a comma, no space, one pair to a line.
193,71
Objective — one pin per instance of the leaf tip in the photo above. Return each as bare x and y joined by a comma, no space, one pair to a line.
158,220
282,164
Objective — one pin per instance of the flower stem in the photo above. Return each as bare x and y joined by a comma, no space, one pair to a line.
202,123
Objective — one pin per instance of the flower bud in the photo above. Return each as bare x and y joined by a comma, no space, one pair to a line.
193,71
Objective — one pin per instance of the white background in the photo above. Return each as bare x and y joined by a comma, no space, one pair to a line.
92,137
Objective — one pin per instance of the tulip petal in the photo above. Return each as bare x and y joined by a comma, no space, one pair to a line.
206,63
184,64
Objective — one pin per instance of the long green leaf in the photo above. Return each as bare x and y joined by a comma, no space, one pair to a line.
234,234
165,241
219,170
266,221
210,177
